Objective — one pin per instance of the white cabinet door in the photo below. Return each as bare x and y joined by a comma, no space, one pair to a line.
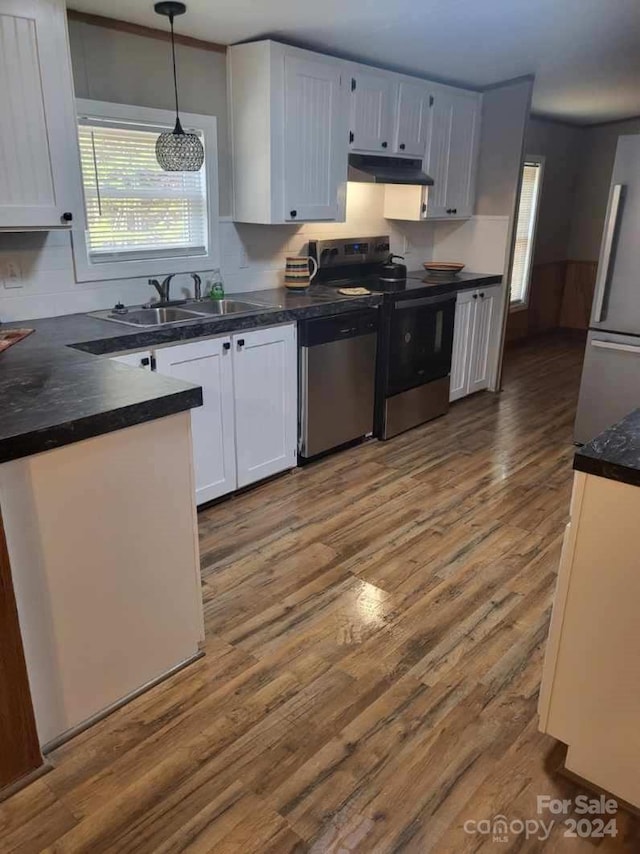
315,133
462,340
452,152
412,118
373,101
265,385
485,337
37,135
141,359
463,152
208,364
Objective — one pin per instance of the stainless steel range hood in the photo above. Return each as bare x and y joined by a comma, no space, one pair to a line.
373,169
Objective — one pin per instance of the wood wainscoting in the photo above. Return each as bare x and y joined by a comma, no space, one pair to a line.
19,747
579,285
560,297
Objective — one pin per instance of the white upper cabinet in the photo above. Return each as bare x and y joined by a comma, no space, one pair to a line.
38,151
413,115
452,152
373,110
289,126
296,115
314,139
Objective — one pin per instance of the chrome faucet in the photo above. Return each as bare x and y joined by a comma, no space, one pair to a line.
163,289
197,287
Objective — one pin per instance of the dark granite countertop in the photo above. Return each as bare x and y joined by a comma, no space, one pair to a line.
55,389
615,453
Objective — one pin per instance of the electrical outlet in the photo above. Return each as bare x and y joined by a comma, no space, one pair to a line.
11,274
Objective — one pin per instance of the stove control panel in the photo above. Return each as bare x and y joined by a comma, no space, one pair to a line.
359,250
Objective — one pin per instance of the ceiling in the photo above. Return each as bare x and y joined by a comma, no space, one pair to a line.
585,53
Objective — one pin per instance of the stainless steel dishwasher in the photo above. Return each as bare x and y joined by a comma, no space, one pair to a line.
337,375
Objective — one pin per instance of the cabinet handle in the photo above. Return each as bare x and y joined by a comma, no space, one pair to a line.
424,207
293,214
226,345
351,136
145,362
67,216
241,342
384,144
402,146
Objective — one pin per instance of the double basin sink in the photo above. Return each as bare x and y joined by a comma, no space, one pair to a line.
166,315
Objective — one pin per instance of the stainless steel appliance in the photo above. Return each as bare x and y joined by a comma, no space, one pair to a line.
610,386
337,373
378,169
416,330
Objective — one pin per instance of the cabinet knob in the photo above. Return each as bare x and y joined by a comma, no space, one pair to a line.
145,362
482,295
449,210
402,146
293,214
67,216
384,144
226,345
455,211
241,342
475,296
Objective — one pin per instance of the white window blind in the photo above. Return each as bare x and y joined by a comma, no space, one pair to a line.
134,209
525,230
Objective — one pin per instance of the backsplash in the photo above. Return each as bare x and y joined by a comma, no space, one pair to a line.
251,257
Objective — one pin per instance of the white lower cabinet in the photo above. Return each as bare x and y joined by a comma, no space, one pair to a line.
208,364
476,339
246,429
266,410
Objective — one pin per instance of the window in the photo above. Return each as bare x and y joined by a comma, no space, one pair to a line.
525,230
139,219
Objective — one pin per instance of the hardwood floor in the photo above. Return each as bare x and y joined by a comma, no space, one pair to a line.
375,634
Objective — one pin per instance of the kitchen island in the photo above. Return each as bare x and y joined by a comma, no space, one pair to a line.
590,695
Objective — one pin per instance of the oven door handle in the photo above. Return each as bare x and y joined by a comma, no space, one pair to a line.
402,305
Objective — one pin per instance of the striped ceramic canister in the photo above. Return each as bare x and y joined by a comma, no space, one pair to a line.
296,271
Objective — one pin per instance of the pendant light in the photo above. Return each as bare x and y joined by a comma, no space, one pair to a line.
177,151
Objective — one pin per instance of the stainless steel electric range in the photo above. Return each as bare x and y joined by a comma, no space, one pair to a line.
415,337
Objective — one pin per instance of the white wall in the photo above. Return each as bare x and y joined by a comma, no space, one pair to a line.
561,146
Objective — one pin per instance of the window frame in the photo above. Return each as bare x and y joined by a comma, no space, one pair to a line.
88,271
523,304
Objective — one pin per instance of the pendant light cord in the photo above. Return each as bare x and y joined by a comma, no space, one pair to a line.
175,75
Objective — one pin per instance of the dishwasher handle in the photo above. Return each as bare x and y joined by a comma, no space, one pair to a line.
337,327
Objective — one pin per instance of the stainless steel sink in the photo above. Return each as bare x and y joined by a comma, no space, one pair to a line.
227,306
151,316
170,315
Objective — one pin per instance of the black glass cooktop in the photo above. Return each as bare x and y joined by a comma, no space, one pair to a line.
415,280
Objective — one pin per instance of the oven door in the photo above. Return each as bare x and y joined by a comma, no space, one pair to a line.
420,341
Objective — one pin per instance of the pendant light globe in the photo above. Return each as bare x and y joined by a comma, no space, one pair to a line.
177,151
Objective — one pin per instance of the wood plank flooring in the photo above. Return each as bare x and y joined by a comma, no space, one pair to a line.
375,633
